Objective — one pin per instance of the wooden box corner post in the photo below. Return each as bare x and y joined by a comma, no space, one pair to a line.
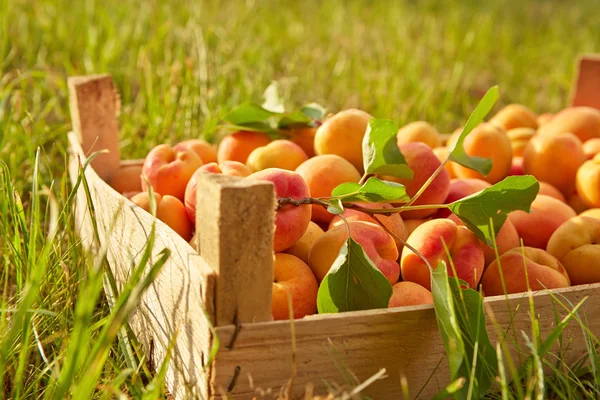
94,105
180,301
586,84
234,228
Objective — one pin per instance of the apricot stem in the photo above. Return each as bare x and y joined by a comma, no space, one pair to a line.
364,178
427,182
283,201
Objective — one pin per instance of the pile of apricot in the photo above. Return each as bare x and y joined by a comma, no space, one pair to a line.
554,246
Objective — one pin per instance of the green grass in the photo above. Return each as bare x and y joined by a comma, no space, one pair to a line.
179,67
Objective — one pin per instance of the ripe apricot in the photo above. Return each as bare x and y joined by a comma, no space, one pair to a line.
239,145
342,135
554,159
323,174
584,122
487,141
419,131
423,163
515,116
282,154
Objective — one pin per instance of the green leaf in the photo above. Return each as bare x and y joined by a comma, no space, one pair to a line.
553,337
445,315
374,190
295,118
353,283
452,388
249,114
513,193
273,101
457,151
335,207
314,111
479,351
461,319
381,154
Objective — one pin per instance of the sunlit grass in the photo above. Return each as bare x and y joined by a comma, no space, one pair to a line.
180,65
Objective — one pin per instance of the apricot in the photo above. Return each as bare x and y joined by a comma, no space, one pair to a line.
168,171
290,221
544,118
169,210
277,154
419,131
323,174
519,137
431,239
127,179
506,239
522,268
392,222
547,214
423,163
305,138
588,182
409,294
461,188
554,159
302,247
413,223
516,167
576,203
342,135
549,190
487,141
584,122
239,145
292,277
591,148
129,195
515,116
576,244
378,245
206,151
592,212
231,168
442,154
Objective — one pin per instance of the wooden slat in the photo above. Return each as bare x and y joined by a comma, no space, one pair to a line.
586,87
180,299
404,341
235,226
94,105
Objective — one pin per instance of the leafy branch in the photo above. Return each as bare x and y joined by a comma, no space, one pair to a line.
271,117
382,156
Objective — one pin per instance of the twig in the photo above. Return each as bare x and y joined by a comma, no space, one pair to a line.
283,201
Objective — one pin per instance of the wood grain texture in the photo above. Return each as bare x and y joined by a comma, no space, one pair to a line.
586,87
403,341
180,299
235,227
94,105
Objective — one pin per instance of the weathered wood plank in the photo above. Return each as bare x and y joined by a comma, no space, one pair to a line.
94,105
180,299
586,87
404,341
235,220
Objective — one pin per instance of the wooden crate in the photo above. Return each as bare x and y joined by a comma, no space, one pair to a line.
224,290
